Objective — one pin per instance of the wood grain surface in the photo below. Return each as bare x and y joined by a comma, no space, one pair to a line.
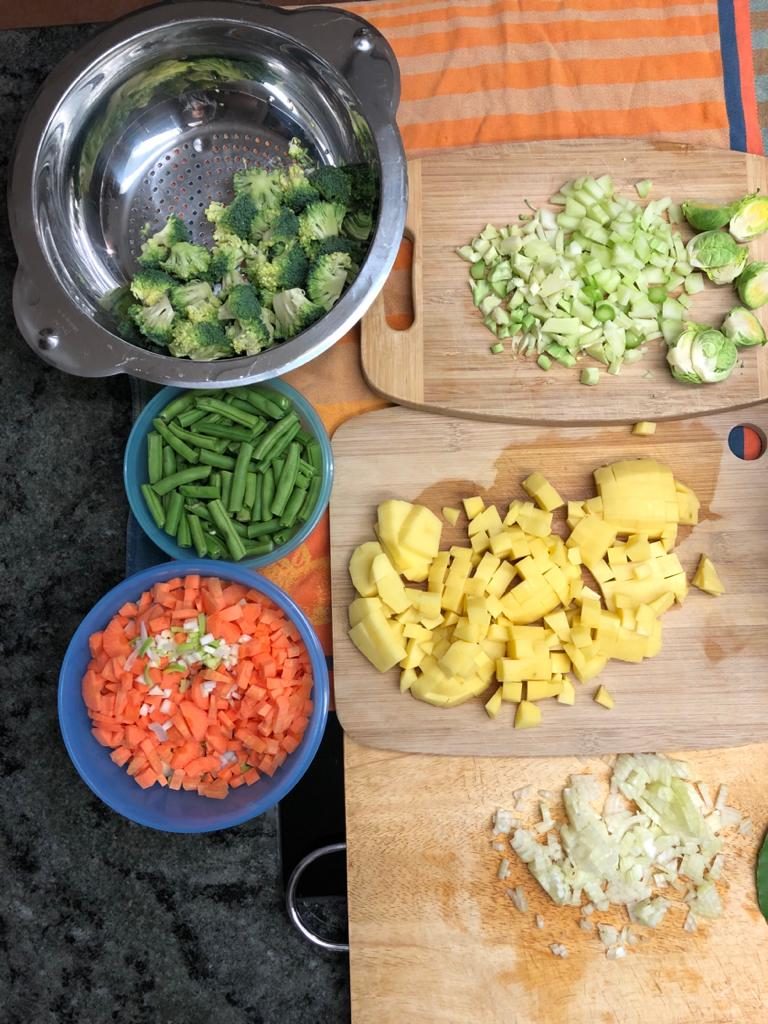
435,939
709,685
443,362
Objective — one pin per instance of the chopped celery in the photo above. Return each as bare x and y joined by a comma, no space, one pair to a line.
497,348
643,188
590,376
544,361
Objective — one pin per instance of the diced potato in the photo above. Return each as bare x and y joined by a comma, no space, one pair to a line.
574,555
459,659
414,654
375,640
390,517
592,536
535,521
437,571
360,568
408,677
512,692
473,587
420,533
413,631
561,663
451,515
486,567
493,705
542,492
473,506
542,689
558,621
590,612
567,693
389,584
645,618
409,615
362,606
644,428
706,578
527,716
603,697
426,604
480,542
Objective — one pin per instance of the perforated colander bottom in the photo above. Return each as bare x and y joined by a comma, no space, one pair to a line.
193,174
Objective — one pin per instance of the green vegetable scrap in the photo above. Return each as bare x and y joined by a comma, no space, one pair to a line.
761,876
750,219
752,285
701,355
743,328
284,251
718,255
707,216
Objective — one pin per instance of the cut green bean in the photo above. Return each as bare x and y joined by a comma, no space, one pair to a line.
154,505
294,506
280,538
265,405
184,476
238,403
171,464
256,508
154,457
277,469
247,419
196,533
304,438
206,491
302,480
214,547
195,440
249,494
178,405
179,446
243,516
189,417
227,530
231,433
214,459
183,538
226,486
173,512
264,529
281,445
198,509
274,434
315,455
262,547
311,499
237,491
267,495
307,467
241,529
287,480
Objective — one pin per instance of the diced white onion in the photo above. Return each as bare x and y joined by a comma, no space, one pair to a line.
539,922
558,949
503,871
167,706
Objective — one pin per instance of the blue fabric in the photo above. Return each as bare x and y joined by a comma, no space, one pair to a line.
731,75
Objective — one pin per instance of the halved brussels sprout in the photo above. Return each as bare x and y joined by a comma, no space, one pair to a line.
706,216
750,218
752,284
713,249
743,328
701,355
728,273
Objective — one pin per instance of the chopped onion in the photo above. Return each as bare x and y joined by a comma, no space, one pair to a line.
523,794
144,710
208,687
722,796
586,925
729,817
547,794
539,922
156,691
499,847
616,953
518,898
167,706
502,821
706,796
689,924
159,731
558,949
608,935
503,871
745,828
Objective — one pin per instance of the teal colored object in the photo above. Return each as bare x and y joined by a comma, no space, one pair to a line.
181,811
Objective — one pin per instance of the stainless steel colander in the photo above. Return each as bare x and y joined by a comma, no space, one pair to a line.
153,116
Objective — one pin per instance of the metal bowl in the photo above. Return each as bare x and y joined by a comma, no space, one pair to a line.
153,116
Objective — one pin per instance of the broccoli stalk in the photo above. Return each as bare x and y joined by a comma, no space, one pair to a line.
327,278
298,153
294,312
157,246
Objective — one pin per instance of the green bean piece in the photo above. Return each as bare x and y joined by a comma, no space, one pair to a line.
184,476
154,457
265,405
304,437
281,443
275,432
241,529
237,492
243,516
198,509
206,491
197,535
211,419
307,467
222,430
302,479
247,419
249,494
227,530
179,446
173,512
264,529
262,547
315,455
277,469
171,463
189,417
281,538
214,547
178,405
275,397
294,506
198,440
154,505
226,486
183,538
215,480
238,403
214,459
287,480
311,499
267,494
256,507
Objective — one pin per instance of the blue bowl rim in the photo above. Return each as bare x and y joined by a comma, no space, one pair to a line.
293,768
166,543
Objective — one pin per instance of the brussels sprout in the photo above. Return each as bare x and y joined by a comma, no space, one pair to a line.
706,216
713,249
752,284
701,355
728,273
750,218
743,328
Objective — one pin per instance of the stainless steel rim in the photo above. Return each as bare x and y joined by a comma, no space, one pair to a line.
67,337
290,899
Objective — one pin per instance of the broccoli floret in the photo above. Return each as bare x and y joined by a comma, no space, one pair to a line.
251,338
327,277
320,220
192,294
155,322
297,152
332,184
214,212
287,270
157,247
187,261
298,191
235,219
118,303
262,222
205,312
262,186
358,225
149,286
242,303
363,184
294,312
284,228
232,279
199,341
335,243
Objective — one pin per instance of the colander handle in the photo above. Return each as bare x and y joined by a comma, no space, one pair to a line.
290,899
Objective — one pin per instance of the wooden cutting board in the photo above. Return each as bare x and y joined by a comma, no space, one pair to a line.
709,685
435,940
442,362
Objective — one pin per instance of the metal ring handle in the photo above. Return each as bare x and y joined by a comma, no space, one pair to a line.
290,898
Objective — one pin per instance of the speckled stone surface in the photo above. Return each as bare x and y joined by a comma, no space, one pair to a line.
101,920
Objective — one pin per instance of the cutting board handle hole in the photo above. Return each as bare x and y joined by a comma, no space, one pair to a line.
398,291
747,442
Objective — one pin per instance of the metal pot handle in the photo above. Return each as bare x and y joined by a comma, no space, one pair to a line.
290,899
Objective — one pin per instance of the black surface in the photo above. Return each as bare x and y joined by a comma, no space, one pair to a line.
102,920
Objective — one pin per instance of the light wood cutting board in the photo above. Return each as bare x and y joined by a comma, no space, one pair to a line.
709,685
435,940
442,362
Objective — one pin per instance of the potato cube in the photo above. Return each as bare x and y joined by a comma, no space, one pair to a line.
590,611
480,542
473,506
390,517
487,566
542,689
376,641
535,521
501,579
451,515
574,556
581,636
413,631
558,621
604,698
561,663
493,705
473,587
459,659
617,555
408,677
389,584
638,548
706,578
503,543
362,606
414,655
593,537
494,606
528,715
542,492
420,533
512,692
426,604
360,565
645,618
644,428
437,571
567,693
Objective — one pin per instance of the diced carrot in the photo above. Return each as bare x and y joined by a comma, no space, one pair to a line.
201,765
196,719
216,741
175,780
185,754
214,790
159,623
289,743
146,778
95,642
184,613
121,755
138,764
180,722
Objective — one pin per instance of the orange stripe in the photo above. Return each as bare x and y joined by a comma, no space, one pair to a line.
562,124
754,138
552,32
533,74
392,15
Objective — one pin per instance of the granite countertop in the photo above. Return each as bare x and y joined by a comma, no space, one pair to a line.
103,920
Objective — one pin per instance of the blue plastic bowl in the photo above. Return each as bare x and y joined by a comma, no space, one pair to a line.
135,474
181,811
